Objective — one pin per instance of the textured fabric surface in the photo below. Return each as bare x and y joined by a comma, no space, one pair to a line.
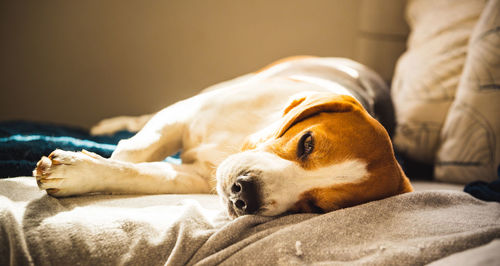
22,144
409,229
484,191
428,73
470,139
483,255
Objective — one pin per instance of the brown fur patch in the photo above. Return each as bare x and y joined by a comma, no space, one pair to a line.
342,130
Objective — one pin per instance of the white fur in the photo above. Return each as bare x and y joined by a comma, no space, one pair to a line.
208,127
75,173
282,181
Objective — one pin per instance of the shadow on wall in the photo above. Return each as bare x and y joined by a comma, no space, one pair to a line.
79,62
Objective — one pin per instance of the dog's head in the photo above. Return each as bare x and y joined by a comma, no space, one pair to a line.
325,153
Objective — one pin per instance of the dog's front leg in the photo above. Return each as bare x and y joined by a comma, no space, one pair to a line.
161,136
66,173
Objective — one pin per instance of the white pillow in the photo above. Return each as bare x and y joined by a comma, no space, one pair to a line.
470,139
428,73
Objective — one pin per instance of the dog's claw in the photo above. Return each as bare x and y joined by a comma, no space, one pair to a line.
42,167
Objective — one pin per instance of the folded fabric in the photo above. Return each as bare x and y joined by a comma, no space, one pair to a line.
484,191
23,143
409,229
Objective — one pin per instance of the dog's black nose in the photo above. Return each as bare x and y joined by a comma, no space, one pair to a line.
244,195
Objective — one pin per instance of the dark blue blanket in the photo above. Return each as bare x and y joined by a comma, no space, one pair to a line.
484,191
22,144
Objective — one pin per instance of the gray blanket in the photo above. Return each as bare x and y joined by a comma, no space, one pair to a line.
440,226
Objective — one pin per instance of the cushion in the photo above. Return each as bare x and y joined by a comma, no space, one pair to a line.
428,73
470,139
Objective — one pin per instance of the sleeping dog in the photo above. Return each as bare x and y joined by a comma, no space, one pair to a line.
299,135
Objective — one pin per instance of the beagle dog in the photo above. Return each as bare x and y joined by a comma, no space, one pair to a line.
297,136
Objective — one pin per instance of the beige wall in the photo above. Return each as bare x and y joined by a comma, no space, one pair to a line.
76,62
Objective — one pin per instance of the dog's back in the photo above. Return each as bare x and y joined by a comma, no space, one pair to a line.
231,111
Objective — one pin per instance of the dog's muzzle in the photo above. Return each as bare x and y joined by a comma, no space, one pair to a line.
253,182
239,184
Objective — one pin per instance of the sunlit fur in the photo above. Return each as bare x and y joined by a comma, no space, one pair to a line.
346,137
249,123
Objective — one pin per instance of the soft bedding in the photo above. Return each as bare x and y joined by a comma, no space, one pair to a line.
22,143
446,89
410,229
437,224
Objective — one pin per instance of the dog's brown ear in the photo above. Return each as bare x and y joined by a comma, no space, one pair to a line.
304,106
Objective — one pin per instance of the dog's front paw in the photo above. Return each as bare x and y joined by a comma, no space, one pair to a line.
65,173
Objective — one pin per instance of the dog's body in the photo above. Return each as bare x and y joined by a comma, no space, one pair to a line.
288,138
